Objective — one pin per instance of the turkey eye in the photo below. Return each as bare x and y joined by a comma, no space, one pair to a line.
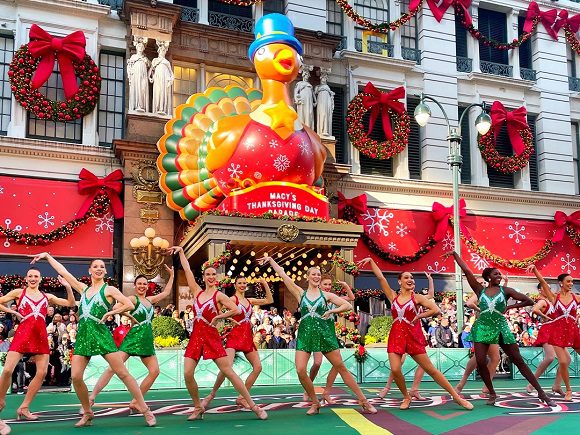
260,54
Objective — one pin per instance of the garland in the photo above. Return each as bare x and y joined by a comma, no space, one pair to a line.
346,333
97,209
384,28
346,266
507,165
508,263
572,39
358,293
153,288
360,354
351,316
574,235
220,260
242,2
269,215
371,147
477,34
21,71
47,284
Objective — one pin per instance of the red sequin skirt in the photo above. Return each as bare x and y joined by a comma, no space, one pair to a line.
205,341
405,338
31,338
240,338
565,333
543,334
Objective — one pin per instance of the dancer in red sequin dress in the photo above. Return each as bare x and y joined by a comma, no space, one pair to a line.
205,339
240,338
31,337
564,330
406,334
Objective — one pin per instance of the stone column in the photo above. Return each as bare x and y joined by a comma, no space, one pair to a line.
472,43
512,33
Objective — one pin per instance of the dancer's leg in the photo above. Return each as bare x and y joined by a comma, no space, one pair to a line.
414,391
116,362
316,363
189,366
12,358
78,365
390,379
469,368
152,373
301,360
219,380
105,379
481,350
549,355
332,374
493,361
254,359
513,352
563,364
36,383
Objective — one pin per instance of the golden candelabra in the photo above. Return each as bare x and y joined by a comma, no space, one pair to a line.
149,253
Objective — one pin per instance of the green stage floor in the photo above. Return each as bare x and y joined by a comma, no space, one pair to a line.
515,413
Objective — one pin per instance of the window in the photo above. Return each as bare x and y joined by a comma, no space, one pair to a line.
465,146
6,52
378,12
54,130
222,80
576,154
334,20
409,37
184,84
230,16
274,6
493,25
525,49
414,146
534,176
112,99
338,124
571,59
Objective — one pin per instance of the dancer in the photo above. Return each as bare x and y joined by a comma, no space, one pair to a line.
492,328
316,332
93,337
406,334
139,339
564,330
419,372
240,338
545,310
205,339
30,338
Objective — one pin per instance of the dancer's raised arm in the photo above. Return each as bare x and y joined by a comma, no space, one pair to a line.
545,289
60,269
524,300
168,287
387,290
431,307
294,288
341,304
232,308
431,292
70,297
269,299
349,294
191,283
538,310
471,279
123,302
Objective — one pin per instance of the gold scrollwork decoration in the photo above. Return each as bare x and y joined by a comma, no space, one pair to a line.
287,232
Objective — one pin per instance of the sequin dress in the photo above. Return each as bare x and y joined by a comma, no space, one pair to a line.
406,337
139,339
31,336
240,337
565,331
205,339
546,326
491,327
315,334
93,337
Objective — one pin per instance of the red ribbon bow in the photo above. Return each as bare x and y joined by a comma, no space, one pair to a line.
574,23
358,203
111,185
381,102
553,20
516,121
441,214
68,49
438,7
562,219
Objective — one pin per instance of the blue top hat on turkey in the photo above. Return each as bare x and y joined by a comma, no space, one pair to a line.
274,28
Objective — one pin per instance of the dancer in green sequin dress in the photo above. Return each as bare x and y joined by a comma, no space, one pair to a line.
139,339
316,332
491,327
92,338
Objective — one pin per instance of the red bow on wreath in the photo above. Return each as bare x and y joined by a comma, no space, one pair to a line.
562,219
381,102
573,23
553,20
516,121
358,203
441,214
111,185
68,50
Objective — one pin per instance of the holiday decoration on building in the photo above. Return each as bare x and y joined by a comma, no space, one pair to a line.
386,104
33,64
360,354
519,134
380,27
238,150
219,260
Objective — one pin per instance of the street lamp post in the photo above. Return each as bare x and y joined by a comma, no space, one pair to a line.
455,160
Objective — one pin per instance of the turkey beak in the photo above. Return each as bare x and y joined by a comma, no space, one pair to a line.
284,61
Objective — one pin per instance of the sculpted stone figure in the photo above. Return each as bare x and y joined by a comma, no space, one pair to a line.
137,70
325,105
304,97
161,75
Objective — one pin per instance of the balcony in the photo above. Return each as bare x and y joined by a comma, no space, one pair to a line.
231,22
574,84
342,44
191,15
528,74
374,47
413,54
464,64
116,5
497,69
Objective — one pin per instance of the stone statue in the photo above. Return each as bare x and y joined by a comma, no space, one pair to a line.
304,97
137,70
325,105
161,75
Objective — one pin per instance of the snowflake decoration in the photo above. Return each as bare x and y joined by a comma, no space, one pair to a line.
235,170
274,144
258,175
45,220
478,261
448,242
392,246
568,263
304,148
436,268
379,220
517,232
8,222
104,224
402,230
281,163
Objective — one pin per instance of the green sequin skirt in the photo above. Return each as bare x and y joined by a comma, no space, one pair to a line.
316,335
139,341
489,329
94,339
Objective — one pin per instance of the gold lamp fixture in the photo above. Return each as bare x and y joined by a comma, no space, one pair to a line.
149,253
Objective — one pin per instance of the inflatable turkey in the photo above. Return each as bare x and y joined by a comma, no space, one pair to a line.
224,140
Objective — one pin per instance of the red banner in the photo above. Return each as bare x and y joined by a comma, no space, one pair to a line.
39,206
286,199
403,231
